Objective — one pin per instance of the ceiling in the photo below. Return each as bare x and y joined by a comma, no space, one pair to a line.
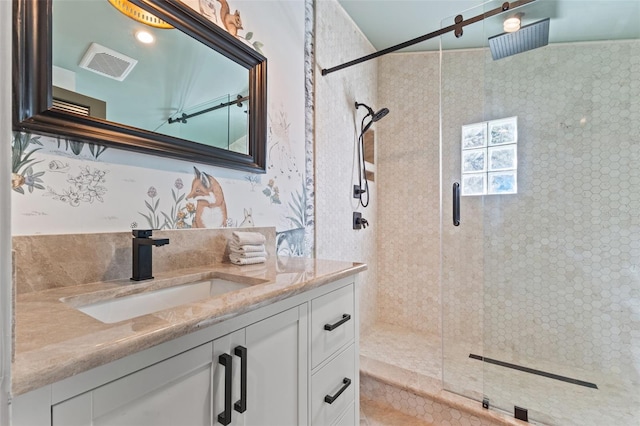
163,83
389,22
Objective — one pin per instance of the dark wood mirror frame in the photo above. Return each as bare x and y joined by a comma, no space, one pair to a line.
32,89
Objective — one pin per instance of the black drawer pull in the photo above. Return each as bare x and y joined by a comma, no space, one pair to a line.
331,327
330,398
241,405
225,416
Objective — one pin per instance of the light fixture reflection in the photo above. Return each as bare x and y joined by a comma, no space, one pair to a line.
139,14
512,24
145,37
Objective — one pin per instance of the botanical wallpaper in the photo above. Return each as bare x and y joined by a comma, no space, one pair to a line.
64,186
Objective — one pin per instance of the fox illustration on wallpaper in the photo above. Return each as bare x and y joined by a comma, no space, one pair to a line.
211,209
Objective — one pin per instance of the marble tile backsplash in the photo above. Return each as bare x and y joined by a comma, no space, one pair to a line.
42,262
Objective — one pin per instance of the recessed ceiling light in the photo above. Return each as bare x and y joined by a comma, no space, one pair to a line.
511,25
144,37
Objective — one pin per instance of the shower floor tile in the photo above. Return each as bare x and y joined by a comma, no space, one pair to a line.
416,352
414,361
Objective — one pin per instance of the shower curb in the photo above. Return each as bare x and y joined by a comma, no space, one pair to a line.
425,399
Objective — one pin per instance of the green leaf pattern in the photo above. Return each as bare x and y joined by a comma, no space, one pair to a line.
22,163
179,216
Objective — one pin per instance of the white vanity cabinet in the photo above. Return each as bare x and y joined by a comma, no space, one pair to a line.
268,375
271,366
334,355
172,392
249,377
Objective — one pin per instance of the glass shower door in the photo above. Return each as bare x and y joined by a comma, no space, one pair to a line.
462,282
561,289
546,144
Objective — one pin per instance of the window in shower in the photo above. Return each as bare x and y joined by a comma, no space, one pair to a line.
490,157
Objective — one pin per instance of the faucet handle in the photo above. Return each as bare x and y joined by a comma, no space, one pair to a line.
142,233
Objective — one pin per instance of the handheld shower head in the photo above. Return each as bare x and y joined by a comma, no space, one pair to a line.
380,114
375,116
363,184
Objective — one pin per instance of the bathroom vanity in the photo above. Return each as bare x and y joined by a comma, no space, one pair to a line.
272,344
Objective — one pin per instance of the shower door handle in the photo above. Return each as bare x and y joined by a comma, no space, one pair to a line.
456,204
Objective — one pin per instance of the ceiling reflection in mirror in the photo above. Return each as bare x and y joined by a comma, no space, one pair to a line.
174,86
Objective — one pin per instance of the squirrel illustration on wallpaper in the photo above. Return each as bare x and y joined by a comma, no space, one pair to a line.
231,22
211,209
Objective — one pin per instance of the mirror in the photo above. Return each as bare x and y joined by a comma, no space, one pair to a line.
81,74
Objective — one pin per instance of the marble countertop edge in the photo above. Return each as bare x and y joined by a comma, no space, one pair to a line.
91,343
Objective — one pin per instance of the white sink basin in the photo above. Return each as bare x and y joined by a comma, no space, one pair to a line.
123,308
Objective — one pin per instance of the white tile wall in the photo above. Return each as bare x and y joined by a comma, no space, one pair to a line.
337,124
408,209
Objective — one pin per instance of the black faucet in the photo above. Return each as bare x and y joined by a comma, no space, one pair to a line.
142,266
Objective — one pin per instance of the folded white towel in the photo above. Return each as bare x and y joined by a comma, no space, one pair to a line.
246,248
246,255
244,238
247,260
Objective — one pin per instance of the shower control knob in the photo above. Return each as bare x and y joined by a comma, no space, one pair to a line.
358,221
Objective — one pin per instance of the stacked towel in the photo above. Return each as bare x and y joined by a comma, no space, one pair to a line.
247,248
248,238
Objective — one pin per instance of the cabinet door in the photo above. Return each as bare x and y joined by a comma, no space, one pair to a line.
277,366
176,391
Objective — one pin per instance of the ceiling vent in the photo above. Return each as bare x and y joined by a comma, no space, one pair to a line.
107,62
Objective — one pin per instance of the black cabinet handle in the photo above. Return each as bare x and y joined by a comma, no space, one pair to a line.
331,327
456,204
241,405
330,398
225,416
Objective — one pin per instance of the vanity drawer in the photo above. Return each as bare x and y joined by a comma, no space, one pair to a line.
332,323
333,388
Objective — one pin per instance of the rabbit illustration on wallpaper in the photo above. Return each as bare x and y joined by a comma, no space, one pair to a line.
231,22
211,209
208,9
248,219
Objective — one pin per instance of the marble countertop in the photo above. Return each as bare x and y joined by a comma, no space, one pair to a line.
53,340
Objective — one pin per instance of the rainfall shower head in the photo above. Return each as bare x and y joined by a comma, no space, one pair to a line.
526,38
